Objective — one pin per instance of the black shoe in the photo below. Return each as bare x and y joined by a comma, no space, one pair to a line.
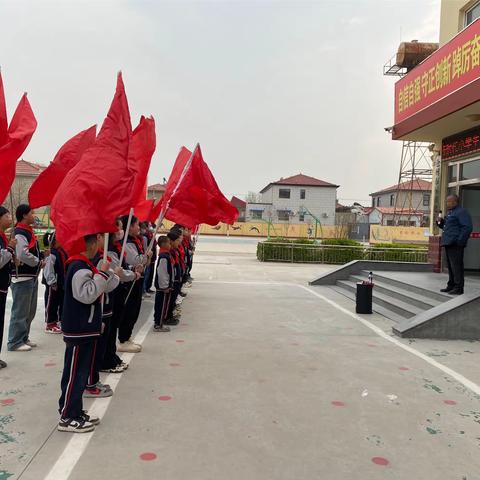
3,364
183,294
150,291
171,321
90,418
447,289
75,425
456,291
160,328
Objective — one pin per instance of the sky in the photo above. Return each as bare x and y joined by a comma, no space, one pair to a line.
269,89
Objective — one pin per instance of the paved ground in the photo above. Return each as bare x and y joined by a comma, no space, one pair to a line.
265,378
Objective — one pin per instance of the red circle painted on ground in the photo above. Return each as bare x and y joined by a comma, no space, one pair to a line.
403,369
148,456
380,461
338,403
164,398
175,365
180,341
7,401
450,402
50,364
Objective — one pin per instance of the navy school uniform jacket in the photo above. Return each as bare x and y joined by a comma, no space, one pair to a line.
6,256
82,310
54,271
107,303
164,273
27,251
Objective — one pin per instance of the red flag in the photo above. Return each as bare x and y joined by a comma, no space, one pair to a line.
46,184
20,132
3,115
143,210
99,187
197,199
177,170
142,148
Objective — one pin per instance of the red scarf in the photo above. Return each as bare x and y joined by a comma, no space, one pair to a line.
84,259
4,238
29,229
138,243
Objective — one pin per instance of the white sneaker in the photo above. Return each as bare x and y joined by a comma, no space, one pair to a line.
129,347
23,348
30,343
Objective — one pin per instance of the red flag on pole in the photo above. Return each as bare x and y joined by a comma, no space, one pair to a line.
177,170
19,134
197,199
99,187
3,115
46,184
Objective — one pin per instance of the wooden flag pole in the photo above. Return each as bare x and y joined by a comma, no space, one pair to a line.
12,233
125,235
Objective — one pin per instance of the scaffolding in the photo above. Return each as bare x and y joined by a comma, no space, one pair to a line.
415,163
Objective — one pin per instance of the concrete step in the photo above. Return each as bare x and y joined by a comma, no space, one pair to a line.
395,305
375,307
438,296
401,293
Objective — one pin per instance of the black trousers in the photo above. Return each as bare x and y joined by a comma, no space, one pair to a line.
53,304
177,286
454,256
131,311
111,359
98,354
77,363
150,275
3,302
162,303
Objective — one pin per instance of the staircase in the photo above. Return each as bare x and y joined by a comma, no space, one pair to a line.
392,298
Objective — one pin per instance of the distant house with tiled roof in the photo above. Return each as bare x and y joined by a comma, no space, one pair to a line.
296,199
388,216
421,192
156,190
241,206
26,173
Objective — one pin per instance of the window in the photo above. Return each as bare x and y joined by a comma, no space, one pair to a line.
301,217
283,215
470,170
256,214
284,193
426,199
302,194
472,14
452,173
392,200
378,201
390,223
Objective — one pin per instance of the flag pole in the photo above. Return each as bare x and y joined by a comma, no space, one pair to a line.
105,247
125,235
165,208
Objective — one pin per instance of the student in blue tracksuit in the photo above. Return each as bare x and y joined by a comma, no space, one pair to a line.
457,227
54,280
81,326
163,285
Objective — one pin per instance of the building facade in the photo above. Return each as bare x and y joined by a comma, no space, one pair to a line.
438,101
296,199
414,195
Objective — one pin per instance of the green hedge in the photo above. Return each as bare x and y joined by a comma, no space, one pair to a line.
275,251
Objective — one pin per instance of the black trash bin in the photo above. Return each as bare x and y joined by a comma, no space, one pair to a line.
364,297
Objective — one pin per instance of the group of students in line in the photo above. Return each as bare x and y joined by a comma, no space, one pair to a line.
91,298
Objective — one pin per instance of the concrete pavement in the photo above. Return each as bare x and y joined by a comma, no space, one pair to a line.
265,378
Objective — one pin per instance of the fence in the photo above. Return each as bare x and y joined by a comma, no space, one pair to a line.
336,254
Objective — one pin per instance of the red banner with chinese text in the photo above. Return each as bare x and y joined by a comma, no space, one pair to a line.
450,68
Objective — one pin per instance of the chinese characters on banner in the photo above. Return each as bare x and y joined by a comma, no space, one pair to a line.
451,67
461,144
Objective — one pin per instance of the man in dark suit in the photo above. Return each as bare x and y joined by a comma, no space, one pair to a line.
457,227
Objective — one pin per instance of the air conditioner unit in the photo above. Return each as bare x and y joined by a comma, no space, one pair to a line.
324,215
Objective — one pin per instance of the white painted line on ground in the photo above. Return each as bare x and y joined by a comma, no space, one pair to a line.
78,443
452,373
